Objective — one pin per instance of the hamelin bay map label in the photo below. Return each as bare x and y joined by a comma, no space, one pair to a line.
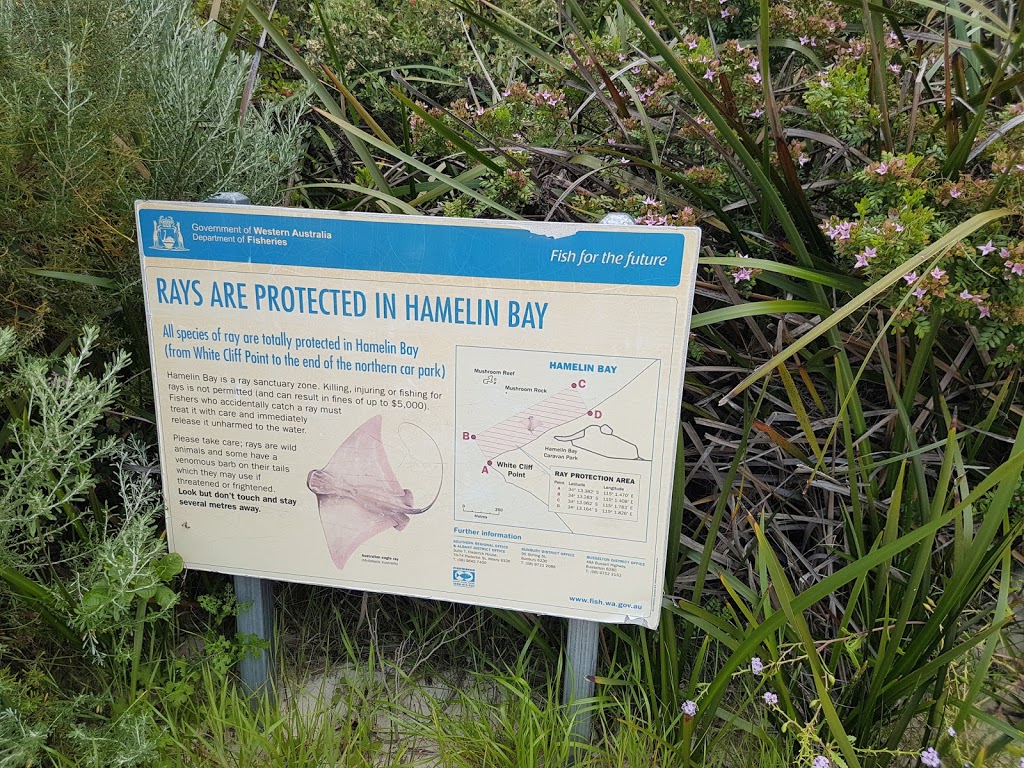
477,411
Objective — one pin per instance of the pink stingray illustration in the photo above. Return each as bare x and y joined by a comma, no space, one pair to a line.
358,493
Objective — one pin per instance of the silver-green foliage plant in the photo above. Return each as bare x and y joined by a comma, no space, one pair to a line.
83,569
92,89
196,144
106,101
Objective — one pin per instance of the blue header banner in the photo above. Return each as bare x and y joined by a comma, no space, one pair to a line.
550,252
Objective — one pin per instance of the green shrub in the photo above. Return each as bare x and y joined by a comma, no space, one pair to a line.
428,40
84,571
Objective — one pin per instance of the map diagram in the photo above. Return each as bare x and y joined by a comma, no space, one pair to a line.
555,441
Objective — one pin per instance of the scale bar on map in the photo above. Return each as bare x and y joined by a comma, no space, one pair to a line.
530,423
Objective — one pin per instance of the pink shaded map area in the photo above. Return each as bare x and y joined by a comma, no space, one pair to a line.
530,423
358,494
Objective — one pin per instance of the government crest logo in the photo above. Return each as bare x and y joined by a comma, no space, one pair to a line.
167,235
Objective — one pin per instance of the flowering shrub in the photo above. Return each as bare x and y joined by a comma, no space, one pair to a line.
906,206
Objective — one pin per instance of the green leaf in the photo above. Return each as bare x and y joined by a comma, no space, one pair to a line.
74,277
169,566
95,598
753,308
830,279
166,597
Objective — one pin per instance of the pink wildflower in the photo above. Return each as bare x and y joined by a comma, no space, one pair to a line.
955,192
987,248
984,311
938,274
743,273
862,261
920,292
966,295
910,277
882,169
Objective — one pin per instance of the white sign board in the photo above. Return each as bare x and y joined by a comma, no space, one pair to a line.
477,411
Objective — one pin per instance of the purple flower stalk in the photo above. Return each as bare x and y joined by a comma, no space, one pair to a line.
770,698
689,708
931,758
756,666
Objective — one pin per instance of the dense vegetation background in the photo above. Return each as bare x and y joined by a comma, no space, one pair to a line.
844,570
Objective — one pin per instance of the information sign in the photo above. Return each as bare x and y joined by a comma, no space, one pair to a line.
477,411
